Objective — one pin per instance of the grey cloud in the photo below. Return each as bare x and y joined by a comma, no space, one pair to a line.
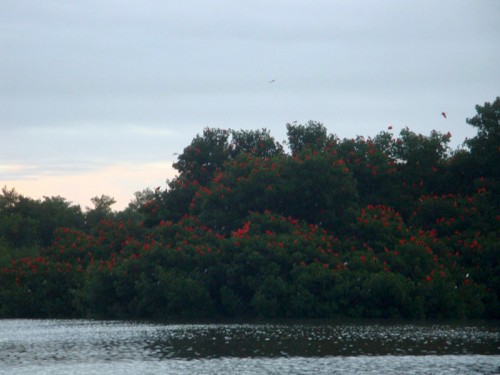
106,65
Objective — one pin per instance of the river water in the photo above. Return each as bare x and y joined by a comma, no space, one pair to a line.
118,347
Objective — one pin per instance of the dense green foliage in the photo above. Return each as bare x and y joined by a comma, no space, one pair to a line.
394,226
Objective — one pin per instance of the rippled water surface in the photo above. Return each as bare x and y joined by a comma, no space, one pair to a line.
110,347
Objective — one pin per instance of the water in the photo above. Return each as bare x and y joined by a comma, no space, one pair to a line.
111,347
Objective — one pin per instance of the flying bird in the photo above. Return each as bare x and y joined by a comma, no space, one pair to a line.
390,128
443,114
272,81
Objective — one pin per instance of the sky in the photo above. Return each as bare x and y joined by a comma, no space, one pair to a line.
96,96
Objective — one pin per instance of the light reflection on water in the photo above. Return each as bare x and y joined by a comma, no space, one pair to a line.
108,347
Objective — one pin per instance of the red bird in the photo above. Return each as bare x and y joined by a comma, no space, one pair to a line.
443,114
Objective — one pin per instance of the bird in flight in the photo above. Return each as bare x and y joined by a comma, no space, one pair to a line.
272,81
443,114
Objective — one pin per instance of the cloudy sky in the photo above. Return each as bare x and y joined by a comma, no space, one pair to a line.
96,96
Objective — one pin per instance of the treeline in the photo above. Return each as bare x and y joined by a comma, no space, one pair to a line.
313,227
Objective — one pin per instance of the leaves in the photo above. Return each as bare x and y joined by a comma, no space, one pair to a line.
384,227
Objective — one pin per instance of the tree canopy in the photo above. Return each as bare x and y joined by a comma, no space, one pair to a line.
313,227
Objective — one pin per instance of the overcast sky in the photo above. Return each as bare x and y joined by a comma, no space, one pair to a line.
96,96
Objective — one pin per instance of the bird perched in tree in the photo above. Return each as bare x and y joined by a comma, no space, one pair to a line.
443,114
